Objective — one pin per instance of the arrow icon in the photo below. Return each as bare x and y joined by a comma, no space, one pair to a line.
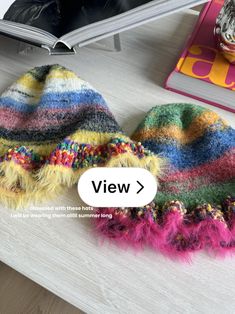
142,187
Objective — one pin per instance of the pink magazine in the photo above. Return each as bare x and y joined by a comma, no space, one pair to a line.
201,58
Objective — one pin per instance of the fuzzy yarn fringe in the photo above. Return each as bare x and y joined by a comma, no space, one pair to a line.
26,177
172,230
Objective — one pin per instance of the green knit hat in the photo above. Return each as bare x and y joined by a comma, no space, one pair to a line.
194,207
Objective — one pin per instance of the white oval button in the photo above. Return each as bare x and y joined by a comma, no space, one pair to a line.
117,187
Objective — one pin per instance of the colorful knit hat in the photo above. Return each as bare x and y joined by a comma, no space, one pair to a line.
194,208
53,127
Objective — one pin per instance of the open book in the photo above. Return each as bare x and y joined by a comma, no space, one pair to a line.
61,25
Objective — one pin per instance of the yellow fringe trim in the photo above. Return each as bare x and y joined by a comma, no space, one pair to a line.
13,176
51,177
21,200
18,187
154,164
13,200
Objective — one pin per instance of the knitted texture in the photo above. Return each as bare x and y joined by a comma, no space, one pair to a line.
194,207
54,126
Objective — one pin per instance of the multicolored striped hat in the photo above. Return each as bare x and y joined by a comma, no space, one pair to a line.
194,207
53,127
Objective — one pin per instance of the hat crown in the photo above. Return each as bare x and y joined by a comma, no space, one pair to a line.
49,103
44,87
200,148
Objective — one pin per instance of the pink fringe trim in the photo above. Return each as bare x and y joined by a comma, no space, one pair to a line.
172,231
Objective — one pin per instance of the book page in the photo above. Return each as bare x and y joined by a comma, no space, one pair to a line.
43,14
77,14
59,17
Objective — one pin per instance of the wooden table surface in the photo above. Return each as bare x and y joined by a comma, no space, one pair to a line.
62,254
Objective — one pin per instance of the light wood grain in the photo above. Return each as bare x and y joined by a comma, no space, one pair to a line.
63,255
18,294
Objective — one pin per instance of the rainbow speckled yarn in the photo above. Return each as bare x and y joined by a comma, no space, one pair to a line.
53,126
194,208
200,147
